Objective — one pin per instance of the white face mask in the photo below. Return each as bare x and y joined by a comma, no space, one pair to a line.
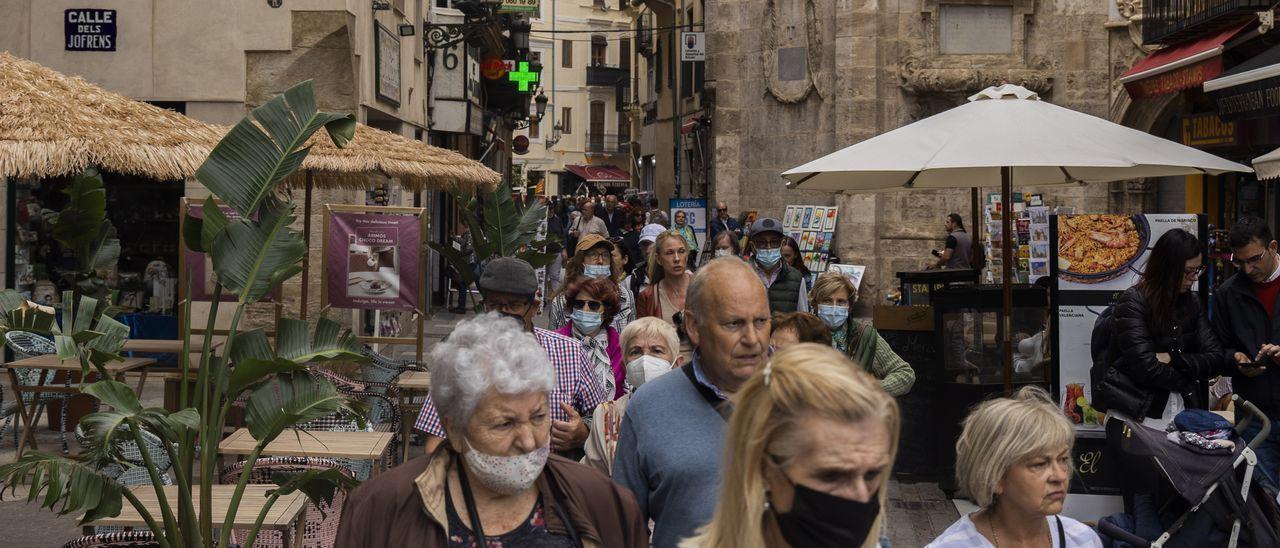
723,252
646,368
507,475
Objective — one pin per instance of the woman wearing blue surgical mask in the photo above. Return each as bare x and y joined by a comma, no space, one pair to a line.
592,304
595,257
649,348
831,299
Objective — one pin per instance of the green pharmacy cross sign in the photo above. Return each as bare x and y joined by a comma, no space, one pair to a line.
522,76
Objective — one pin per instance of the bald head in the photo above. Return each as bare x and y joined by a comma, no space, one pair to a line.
727,320
720,279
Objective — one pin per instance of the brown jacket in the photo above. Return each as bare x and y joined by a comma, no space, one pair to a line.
405,506
647,305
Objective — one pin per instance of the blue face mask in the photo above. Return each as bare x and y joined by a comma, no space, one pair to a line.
596,270
832,315
769,257
585,321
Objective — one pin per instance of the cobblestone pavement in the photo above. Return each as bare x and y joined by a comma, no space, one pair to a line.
917,511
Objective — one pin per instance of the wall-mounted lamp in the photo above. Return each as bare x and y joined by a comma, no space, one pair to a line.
408,29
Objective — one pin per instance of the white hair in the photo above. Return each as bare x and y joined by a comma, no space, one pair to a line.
651,327
488,352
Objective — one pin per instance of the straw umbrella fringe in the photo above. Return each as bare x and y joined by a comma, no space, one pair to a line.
52,124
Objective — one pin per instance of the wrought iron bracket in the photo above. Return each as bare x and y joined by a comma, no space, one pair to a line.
447,35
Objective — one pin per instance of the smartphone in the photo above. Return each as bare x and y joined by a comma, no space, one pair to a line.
936,253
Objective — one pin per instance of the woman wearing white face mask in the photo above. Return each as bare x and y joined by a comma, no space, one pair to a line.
649,348
594,258
494,479
831,298
593,304
723,244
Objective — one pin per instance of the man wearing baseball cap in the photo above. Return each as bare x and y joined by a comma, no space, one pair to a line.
639,278
509,287
787,288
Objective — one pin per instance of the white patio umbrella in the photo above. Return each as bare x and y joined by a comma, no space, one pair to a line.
1003,133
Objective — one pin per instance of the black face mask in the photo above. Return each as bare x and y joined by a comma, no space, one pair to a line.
818,519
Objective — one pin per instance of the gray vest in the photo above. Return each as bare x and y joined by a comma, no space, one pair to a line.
964,248
784,294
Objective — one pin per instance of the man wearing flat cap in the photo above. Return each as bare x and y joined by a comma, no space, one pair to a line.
508,286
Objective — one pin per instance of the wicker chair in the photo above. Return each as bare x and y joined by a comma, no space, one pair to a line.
321,528
133,471
123,539
384,416
28,345
384,370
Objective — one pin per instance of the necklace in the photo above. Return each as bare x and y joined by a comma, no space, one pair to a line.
991,523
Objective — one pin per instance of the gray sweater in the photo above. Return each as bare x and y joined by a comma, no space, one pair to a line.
670,452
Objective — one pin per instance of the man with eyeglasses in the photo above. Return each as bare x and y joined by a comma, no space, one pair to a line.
508,287
1244,317
787,288
722,223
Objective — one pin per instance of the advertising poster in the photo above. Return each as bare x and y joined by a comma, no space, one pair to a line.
695,212
1095,258
202,277
372,260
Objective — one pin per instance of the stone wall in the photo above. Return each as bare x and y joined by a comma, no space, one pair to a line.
876,66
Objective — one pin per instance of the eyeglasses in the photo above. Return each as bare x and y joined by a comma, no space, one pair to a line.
601,254
722,209
510,307
1193,272
768,244
1251,261
594,306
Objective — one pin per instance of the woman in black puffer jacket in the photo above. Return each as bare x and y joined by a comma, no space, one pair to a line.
1164,354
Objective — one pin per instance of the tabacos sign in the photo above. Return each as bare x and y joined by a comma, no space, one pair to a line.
88,29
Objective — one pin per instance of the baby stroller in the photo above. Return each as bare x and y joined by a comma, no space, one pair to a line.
1223,504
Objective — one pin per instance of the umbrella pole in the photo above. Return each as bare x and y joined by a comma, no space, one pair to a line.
1006,222
306,236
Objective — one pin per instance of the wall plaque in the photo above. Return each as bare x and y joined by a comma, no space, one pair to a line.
975,29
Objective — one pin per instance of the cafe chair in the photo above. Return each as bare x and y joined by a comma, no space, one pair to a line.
384,370
321,528
25,344
122,539
383,416
133,469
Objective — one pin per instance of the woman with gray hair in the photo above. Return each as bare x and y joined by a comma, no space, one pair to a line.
1014,459
494,483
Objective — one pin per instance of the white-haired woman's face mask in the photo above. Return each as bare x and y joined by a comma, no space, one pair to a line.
507,440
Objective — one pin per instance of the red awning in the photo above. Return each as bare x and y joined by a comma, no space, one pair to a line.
1181,66
600,174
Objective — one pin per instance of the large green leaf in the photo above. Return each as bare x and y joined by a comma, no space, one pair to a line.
75,485
246,165
82,226
293,398
330,341
251,257
105,430
318,485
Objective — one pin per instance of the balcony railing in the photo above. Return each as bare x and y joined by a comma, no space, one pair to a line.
605,75
1167,21
605,143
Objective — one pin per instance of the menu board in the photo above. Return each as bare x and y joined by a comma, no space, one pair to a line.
372,258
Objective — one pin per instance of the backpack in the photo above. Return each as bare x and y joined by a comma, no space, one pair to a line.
1112,389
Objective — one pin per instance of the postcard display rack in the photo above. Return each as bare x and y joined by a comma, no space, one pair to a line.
1031,224
813,228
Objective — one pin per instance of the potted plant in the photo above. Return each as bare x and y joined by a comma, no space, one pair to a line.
251,255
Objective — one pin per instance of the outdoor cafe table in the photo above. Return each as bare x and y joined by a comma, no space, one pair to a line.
410,383
368,446
50,362
164,346
287,510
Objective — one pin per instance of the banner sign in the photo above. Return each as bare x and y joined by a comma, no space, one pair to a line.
1208,130
1251,100
519,6
1095,259
90,29
372,260
1188,77
695,215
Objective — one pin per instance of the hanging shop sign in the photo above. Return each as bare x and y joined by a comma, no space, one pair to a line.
387,64
372,257
519,6
1208,130
524,79
90,29
493,68
1252,100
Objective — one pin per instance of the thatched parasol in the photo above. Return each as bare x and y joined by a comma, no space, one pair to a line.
52,125
417,165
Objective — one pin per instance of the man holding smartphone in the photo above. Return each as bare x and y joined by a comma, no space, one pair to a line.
1244,318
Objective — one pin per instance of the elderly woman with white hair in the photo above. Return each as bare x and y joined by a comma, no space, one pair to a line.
1014,459
650,348
495,478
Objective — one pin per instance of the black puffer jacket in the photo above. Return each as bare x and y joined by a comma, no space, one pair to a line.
1138,384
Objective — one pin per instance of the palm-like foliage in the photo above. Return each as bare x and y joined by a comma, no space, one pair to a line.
503,228
251,255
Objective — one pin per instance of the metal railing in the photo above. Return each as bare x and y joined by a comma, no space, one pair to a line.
1167,21
607,143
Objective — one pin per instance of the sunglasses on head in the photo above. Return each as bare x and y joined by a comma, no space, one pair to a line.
593,306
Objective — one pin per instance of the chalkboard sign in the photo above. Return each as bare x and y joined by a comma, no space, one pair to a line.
1097,471
90,29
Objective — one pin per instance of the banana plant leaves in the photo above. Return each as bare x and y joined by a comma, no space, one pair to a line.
504,228
76,485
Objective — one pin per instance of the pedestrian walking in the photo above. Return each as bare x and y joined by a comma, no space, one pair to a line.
593,303
594,259
809,451
1161,356
1014,459
638,280
649,347
1244,319
788,289
832,297
672,436
724,244
508,286
495,483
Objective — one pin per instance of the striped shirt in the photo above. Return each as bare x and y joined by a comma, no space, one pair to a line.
575,383
963,534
